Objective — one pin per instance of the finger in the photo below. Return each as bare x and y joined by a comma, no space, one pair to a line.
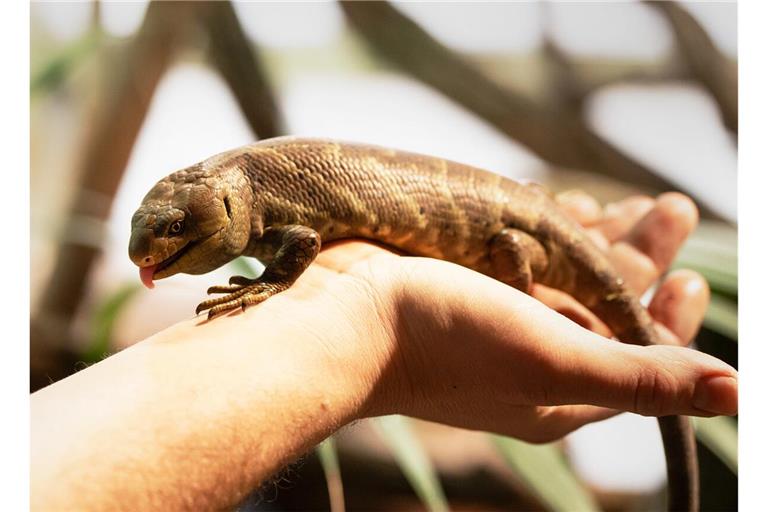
544,424
667,337
618,218
681,303
577,312
571,308
581,206
648,249
554,422
553,361
652,381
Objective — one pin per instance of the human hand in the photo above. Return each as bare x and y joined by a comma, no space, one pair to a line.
364,333
471,352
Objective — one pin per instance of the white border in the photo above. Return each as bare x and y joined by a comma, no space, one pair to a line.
14,166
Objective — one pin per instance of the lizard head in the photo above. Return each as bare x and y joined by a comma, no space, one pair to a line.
193,221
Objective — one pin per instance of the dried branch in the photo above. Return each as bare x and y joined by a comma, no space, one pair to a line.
237,61
114,125
554,130
706,62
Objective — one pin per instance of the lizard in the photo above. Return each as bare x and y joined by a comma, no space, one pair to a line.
280,199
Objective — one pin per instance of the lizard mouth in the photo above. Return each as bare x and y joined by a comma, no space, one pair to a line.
173,258
158,270
147,274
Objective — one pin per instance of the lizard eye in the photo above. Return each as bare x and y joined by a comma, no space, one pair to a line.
176,227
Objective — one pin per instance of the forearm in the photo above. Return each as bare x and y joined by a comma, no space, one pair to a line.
192,418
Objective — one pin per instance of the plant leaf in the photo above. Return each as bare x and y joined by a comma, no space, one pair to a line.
712,251
396,432
329,459
720,435
53,73
546,473
242,265
722,316
103,321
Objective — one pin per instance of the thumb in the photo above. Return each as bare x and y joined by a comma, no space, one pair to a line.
652,381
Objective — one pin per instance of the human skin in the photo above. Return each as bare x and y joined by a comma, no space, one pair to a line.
197,415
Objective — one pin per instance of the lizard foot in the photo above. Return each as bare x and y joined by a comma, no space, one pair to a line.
242,292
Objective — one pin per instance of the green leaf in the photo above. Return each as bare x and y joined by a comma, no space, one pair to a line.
409,454
329,459
544,470
720,435
51,74
722,316
103,321
712,251
243,265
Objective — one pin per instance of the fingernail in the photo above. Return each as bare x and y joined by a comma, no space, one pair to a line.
717,395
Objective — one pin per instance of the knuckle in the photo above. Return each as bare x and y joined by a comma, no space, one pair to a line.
654,391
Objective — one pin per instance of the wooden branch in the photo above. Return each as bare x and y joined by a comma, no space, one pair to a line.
234,57
717,73
557,134
114,124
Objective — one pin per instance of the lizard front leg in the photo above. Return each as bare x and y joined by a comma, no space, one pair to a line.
297,248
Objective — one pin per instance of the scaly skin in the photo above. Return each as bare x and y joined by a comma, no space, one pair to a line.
278,199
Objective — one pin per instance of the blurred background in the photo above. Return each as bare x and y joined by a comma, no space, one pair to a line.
612,98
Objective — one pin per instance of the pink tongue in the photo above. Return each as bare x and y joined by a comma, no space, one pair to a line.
146,273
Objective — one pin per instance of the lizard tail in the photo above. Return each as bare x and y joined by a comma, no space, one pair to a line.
631,323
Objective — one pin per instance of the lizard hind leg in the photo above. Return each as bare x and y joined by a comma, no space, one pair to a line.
517,258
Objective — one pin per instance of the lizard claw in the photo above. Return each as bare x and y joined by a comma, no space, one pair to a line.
239,296
223,289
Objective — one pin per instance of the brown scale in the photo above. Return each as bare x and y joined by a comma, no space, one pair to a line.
297,193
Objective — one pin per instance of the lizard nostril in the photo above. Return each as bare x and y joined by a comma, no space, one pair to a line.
148,259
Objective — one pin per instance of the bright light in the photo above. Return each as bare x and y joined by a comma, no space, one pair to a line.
289,24
66,21
677,130
609,29
620,454
122,19
393,110
479,27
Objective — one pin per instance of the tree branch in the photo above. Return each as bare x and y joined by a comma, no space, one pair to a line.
232,54
113,127
559,136
553,129
708,65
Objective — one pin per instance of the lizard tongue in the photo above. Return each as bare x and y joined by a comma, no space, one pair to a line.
146,274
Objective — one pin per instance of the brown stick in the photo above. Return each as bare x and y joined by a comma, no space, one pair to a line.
114,125
564,140
552,129
233,55
717,73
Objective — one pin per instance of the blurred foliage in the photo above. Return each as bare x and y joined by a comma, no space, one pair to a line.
103,321
246,266
54,71
720,434
396,432
329,459
547,474
712,251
